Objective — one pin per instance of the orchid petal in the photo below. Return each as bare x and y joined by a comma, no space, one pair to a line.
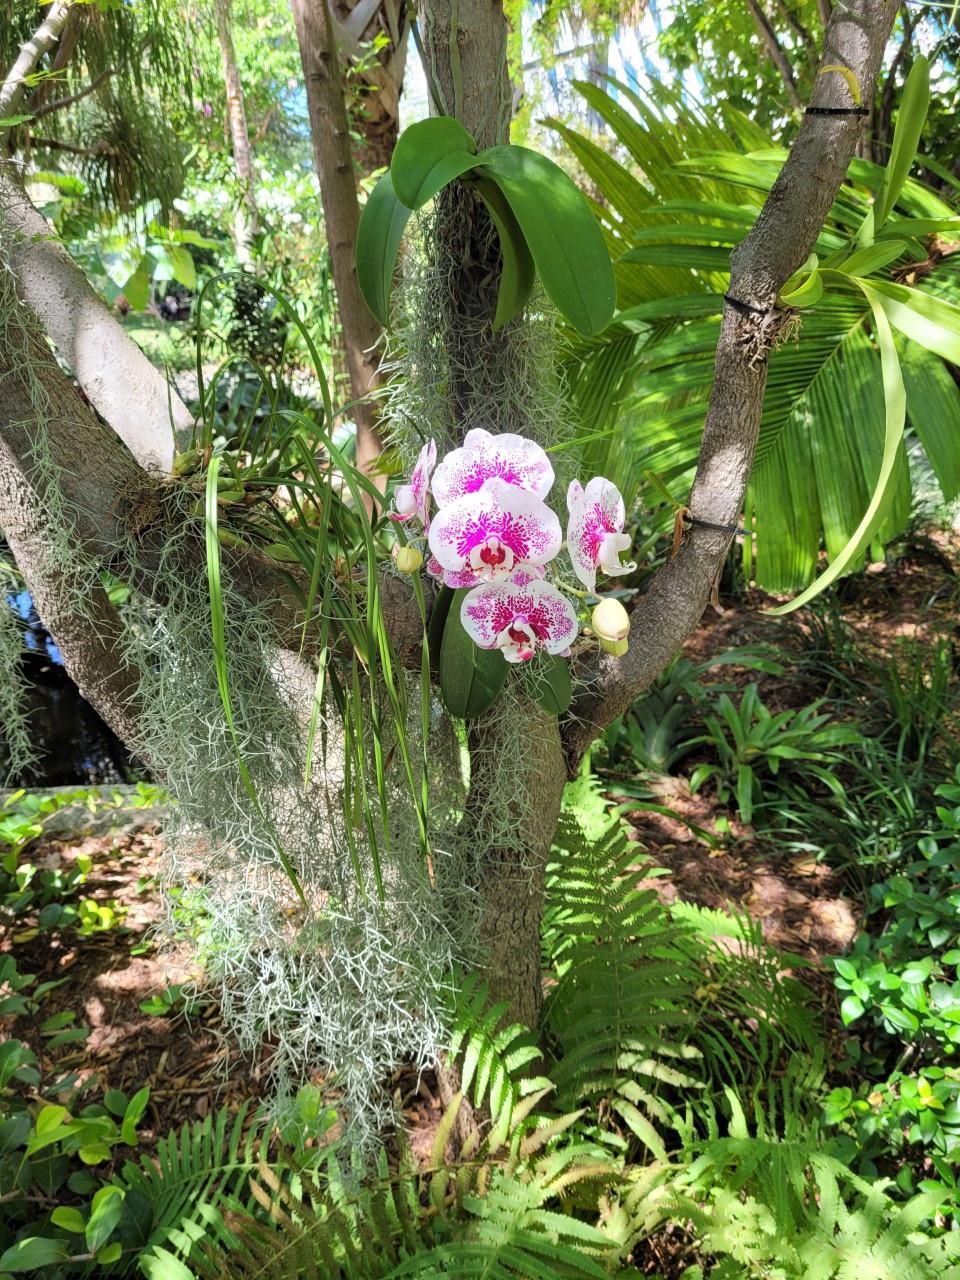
494,532
595,536
483,456
413,499
519,620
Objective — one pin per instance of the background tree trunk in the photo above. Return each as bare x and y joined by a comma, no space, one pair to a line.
247,222
377,118
333,156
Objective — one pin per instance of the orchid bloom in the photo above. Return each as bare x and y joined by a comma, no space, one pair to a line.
519,620
493,532
413,499
482,457
595,536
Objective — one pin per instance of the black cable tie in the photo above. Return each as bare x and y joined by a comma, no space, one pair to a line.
836,111
709,524
748,308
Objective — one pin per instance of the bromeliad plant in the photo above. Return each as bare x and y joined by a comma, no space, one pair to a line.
492,542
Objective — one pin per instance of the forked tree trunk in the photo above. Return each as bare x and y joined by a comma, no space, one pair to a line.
247,222
333,157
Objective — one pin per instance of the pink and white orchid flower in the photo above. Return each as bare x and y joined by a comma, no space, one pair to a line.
492,533
482,457
595,536
519,620
413,499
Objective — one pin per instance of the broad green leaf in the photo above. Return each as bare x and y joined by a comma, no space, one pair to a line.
930,321
895,415
933,407
470,678
517,270
378,243
105,1212
32,1254
906,138
428,155
181,260
561,232
69,1219
806,294
136,288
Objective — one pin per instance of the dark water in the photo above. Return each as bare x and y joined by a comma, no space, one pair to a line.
74,746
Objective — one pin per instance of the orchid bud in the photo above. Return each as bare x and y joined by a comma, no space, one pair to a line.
408,559
611,625
617,647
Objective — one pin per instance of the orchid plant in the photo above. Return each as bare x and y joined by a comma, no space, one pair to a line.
489,533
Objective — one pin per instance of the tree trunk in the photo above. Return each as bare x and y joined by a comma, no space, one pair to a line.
518,766
512,867
333,156
247,221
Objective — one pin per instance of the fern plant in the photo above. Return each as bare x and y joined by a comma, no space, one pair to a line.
652,1005
496,1212
775,1203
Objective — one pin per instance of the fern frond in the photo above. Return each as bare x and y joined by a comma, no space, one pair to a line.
492,1056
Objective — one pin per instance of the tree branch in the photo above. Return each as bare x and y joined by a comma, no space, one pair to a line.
780,241
14,88
58,104
775,49
123,386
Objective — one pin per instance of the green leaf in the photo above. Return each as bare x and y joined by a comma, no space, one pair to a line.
133,1115
470,678
865,261
378,243
895,416
547,682
428,155
517,270
906,138
105,1212
181,261
561,232
850,1010
933,406
69,1219
33,1253
700,257
161,1264
930,321
136,288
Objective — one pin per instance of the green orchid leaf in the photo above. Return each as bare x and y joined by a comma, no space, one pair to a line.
906,138
470,678
378,243
561,232
517,270
428,155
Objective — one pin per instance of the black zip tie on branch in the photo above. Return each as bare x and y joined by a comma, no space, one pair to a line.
748,308
709,524
836,111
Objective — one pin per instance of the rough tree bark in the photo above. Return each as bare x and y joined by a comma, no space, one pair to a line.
333,155
247,222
